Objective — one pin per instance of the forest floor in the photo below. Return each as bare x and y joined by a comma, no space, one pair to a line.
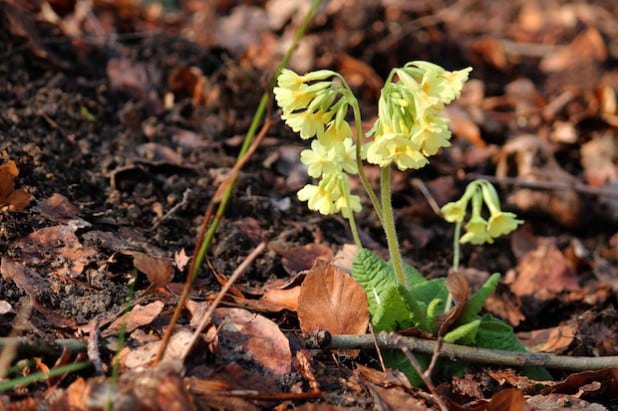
119,120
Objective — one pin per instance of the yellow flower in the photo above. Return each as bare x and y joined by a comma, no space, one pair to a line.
476,227
290,80
395,148
476,231
437,82
318,160
455,211
430,133
345,153
502,223
308,123
318,198
335,132
292,99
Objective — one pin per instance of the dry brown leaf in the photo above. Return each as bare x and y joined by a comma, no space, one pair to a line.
462,125
139,316
583,383
74,398
59,209
543,273
11,199
459,289
181,259
599,158
332,300
303,257
393,399
554,340
247,337
509,399
286,299
158,270
587,47
535,163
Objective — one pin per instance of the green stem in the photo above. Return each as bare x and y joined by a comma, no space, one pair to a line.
449,299
388,223
456,246
354,231
359,161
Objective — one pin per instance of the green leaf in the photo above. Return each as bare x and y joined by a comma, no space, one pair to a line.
429,291
373,275
413,276
477,301
396,359
464,334
495,333
392,313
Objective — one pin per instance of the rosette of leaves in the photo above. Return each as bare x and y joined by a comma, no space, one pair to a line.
421,305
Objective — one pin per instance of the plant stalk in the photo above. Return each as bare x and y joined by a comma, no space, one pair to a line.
388,223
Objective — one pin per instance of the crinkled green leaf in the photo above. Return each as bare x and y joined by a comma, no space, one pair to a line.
373,275
392,311
477,301
464,334
413,276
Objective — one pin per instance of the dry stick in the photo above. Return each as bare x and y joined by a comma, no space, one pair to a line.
472,354
192,273
206,319
547,185
399,343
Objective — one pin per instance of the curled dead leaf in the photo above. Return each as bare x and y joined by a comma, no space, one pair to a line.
11,199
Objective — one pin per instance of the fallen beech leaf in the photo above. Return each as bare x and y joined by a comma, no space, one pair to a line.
586,48
301,258
544,272
75,397
140,315
11,199
332,300
247,337
60,246
459,289
158,270
554,340
59,209
608,388
535,162
509,399
394,399
286,299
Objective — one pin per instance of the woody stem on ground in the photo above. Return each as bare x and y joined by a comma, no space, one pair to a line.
462,352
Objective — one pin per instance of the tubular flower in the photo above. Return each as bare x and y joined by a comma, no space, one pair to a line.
319,198
476,227
437,82
476,231
319,160
395,148
455,211
500,222
308,123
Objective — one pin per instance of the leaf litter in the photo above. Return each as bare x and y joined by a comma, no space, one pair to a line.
123,142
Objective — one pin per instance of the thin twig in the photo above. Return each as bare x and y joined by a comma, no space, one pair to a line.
547,185
401,344
472,354
206,319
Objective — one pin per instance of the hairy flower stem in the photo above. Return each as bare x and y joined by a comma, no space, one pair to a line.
359,160
449,299
354,231
388,222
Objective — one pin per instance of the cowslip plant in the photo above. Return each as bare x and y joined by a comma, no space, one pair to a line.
409,129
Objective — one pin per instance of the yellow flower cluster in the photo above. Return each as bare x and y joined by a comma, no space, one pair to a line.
478,229
315,106
409,127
